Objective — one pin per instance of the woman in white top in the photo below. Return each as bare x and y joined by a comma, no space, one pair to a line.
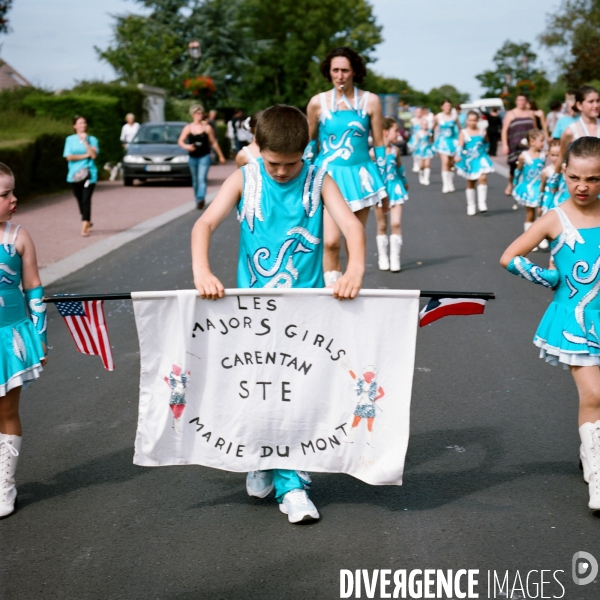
129,130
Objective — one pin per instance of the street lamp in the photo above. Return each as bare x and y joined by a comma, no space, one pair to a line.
194,50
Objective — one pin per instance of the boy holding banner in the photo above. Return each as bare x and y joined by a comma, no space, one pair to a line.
280,200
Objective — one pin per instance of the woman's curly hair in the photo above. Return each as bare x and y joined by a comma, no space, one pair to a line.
354,58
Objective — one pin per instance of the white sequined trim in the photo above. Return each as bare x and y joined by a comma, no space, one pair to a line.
251,195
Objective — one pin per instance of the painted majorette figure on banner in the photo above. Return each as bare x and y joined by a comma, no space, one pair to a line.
397,191
339,124
177,382
22,331
528,178
569,330
446,143
368,392
473,163
280,201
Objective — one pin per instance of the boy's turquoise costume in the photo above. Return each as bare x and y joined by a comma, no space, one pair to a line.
569,330
281,246
344,151
22,319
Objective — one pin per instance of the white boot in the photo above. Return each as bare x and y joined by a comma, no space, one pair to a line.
331,277
370,439
543,245
426,174
526,226
482,198
395,245
450,176
421,177
349,439
10,446
416,166
445,189
382,252
471,210
590,442
584,465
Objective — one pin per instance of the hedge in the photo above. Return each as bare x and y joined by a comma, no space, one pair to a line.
38,164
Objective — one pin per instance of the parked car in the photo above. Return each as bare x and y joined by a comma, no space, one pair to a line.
154,154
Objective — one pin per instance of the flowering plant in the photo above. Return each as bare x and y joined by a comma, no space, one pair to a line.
200,86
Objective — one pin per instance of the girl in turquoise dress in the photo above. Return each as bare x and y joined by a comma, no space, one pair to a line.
528,176
424,151
22,333
415,125
569,330
446,143
339,122
473,163
397,191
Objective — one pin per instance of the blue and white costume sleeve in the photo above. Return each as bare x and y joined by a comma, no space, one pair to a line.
523,267
37,311
310,152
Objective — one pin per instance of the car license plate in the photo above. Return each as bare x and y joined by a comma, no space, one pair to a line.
158,168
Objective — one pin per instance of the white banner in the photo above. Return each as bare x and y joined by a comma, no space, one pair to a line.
277,379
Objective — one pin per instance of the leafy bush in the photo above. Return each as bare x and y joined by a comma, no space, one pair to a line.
131,98
19,155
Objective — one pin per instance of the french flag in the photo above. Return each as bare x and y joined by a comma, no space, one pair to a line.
438,308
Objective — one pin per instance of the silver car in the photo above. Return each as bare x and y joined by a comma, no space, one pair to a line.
154,154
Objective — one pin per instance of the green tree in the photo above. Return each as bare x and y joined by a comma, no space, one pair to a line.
289,38
436,96
5,6
515,72
574,30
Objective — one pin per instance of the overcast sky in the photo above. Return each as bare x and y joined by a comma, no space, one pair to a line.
427,42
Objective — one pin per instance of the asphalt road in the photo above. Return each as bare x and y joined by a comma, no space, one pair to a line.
492,479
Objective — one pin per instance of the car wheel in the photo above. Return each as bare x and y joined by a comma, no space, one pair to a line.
127,181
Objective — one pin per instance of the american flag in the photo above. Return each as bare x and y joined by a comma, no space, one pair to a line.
87,325
444,307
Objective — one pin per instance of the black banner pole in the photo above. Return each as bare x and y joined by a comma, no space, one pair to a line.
124,296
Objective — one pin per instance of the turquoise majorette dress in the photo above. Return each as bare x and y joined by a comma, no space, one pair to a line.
344,150
423,147
551,198
527,184
568,332
473,157
22,350
394,184
447,140
414,129
281,238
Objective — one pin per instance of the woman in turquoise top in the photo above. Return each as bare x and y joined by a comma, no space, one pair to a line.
446,143
80,151
22,333
569,330
339,123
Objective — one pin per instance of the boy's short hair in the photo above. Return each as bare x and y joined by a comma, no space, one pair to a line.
388,123
282,129
584,147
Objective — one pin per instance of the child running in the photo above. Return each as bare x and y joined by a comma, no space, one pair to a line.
473,163
23,331
424,151
569,330
446,143
251,152
528,176
396,186
279,197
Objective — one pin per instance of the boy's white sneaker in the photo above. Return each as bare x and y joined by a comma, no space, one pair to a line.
259,484
298,507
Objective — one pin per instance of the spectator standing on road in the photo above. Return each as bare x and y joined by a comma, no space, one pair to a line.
494,127
197,138
129,130
251,152
212,121
517,122
80,151
22,331
233,128
539,117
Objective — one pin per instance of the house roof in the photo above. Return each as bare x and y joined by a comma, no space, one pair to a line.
10,78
